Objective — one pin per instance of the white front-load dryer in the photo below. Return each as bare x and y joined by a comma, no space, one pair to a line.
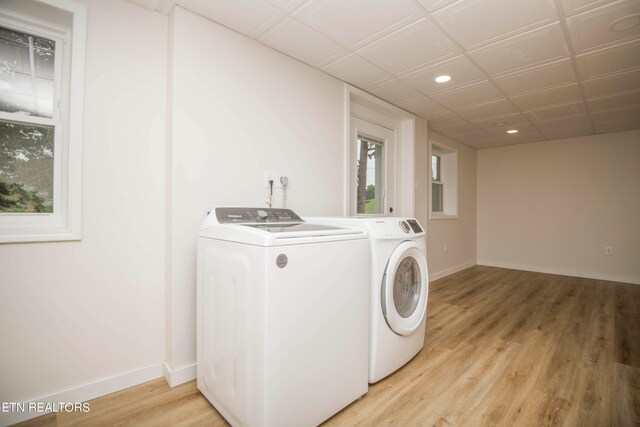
398,290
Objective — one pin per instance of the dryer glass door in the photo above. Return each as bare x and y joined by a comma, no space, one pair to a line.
405,289
407,285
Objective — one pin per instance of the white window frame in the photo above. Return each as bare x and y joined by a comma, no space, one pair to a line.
448,180
65,221
400,194
368,130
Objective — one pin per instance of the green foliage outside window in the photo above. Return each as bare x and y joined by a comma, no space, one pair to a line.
14,198
26,167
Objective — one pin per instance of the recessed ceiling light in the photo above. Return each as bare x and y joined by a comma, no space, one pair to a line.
512,131
625,23
502,123
442,79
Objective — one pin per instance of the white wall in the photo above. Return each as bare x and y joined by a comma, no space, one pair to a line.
459,234
239,108
553,206
75,313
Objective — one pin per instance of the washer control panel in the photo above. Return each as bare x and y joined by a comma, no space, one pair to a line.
256,216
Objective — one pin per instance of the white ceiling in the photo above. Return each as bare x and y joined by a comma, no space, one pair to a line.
550,68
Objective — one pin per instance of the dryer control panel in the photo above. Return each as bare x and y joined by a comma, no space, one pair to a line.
410,224
414,226
256,216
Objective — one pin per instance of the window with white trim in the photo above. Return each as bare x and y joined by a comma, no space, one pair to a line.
41,79
371,169
444,182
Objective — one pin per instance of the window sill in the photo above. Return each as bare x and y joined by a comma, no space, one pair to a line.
39,233
434,216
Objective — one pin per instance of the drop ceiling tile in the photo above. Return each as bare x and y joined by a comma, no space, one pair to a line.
286,5
592,29
523,130
433,5
564,123
354,23
416,45
491,143
357,71
615,102
561,111
617,120
478,140
523,138
547,97
474,23
544,76
294,39
249,17
445,120
486,111
526,50
395,92
461,130
610,60
572,7
461,70
513,121
613,84
571,132
566,127
425,108
476,93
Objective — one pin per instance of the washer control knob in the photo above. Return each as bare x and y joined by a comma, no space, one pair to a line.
405,226
262,215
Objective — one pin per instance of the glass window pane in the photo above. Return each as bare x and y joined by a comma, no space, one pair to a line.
435,168
437,197
370,176
26,167
26,73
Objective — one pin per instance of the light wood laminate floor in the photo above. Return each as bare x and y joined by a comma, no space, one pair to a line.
503,348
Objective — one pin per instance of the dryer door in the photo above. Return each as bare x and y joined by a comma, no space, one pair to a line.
405,288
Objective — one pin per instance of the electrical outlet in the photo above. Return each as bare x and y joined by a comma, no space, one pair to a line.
608,250
270,175
446,248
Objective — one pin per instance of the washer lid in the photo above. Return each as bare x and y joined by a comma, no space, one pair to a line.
404,290
296,227
270,227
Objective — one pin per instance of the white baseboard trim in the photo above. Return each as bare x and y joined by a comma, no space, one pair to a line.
88,391
451,270
179,376
562,271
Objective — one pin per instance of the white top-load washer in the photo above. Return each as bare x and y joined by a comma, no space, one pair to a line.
399,288
282,316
